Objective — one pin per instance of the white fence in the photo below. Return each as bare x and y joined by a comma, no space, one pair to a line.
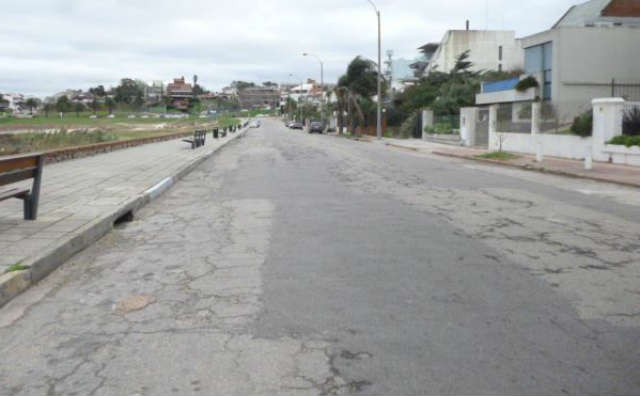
608,114
564,146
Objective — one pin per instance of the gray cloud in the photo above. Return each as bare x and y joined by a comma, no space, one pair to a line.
50,45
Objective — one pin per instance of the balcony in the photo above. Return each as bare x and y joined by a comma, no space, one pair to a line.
504,92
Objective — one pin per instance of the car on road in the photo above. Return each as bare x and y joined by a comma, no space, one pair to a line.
296,125
255,124
316,127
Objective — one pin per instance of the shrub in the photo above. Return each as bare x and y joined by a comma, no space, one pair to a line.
626,140
408,126
583,124
631,122
526,83
440,128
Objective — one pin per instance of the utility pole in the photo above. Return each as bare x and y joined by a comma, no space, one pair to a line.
379,119
322,101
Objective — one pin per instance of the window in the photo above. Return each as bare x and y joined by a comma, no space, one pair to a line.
538,61
500,53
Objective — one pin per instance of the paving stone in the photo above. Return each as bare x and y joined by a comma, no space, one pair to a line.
74,193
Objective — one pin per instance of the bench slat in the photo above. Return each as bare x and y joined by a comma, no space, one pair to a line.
17,175
14,193
10,164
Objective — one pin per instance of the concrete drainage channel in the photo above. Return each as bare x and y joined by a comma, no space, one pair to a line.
37,267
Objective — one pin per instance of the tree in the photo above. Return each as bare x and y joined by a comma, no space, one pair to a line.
63,104
198,90
138,102
269,84
240,85
3,102
94,105
98,91
110,103
48,107
361,77
32,103
357,87
79,107
463,65
128,91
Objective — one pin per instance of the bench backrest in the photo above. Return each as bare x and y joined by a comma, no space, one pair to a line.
15,169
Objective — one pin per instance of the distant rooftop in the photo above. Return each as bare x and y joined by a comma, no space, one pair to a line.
595,12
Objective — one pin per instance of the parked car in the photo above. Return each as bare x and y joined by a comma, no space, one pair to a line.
255,124
296,125
316,127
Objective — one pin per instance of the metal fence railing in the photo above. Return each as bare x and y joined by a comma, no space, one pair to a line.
631,119
514,117
627,91
446,123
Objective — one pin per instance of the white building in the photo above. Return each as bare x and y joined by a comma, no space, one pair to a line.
15,102
488,50
591,52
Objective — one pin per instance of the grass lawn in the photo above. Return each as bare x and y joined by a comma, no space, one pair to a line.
73,131
71,120
498,155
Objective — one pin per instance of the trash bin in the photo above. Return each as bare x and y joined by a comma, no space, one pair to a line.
215,133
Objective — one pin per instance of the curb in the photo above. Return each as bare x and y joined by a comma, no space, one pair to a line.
402,147
13,284
539,170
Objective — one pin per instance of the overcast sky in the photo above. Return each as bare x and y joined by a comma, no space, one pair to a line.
49,45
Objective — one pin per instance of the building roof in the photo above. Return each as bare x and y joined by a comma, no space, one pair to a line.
601,11
179,86
622,8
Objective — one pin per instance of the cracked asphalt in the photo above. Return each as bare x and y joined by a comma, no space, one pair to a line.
303,264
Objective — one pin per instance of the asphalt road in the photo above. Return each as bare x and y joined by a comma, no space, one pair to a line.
306,264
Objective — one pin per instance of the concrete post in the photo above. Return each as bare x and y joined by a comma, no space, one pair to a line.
427,121
536,139
468,122
494,143
607,124
588,159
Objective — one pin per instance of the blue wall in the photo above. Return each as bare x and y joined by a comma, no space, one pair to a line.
504,85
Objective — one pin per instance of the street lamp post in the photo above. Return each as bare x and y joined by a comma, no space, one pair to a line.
379,123
322,104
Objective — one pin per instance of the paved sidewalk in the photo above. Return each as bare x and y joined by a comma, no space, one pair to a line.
79,201
612,173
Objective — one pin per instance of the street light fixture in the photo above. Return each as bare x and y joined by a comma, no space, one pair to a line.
321,77
379,123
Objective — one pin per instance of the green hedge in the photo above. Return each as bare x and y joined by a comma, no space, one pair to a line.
625,141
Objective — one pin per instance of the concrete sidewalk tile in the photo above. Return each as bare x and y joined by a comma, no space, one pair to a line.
80,200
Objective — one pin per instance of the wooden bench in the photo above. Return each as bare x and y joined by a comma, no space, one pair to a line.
199,138
19,168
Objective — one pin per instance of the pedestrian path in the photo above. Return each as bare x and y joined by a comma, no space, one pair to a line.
80,199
